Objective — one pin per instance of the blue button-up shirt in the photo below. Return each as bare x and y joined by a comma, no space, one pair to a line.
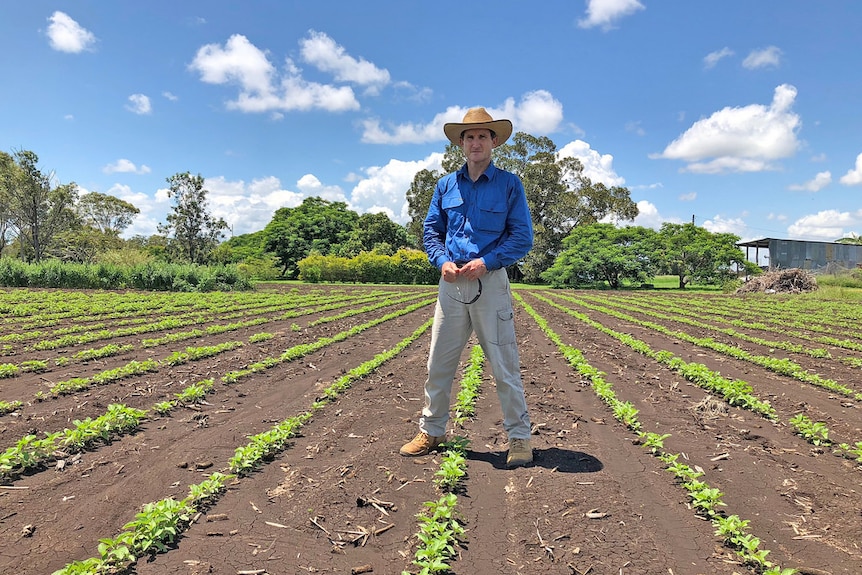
487,219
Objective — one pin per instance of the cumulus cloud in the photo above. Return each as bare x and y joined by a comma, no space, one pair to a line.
537,113
721,225
125,166
170,96
322,52
381,188
248,206
649,216
264,88
713,58
605,13
827,226
853,177
139,104
769,57
820,181
597,167
744,139
66,35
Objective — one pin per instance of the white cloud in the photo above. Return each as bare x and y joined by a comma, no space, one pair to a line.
720,225
689,197
248,207
309,185
746,139
763,58
144,224
828,225
711,59
853,177
322,52
776,217
66,35
649,216
125,166
820,181
170,96
139,104
605,12
597,167
261,87
538,113
382,188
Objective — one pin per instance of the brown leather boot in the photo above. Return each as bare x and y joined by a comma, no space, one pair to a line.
520,453
422,444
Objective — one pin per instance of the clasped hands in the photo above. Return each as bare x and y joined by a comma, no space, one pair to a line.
472,270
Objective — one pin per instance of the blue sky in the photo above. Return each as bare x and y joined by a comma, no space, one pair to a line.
742,115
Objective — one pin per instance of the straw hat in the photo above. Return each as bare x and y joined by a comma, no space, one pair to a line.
478,118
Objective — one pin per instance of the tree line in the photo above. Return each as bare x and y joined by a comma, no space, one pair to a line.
42,219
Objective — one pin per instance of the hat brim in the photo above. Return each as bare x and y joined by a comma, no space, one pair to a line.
501,128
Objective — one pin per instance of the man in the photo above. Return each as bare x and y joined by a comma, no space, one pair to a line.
478,223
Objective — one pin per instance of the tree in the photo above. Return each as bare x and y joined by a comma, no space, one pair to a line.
8,169
375,233
696,255
192,231
561,197
106,213
852,238
36,210
603,252
315,225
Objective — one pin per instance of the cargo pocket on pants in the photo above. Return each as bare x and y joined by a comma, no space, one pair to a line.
505,326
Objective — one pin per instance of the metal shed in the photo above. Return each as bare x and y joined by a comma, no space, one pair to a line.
807,255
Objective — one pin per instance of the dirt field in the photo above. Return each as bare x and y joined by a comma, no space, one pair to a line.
596,501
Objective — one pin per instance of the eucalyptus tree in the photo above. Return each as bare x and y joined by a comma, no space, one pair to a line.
106,213
192,231
36,209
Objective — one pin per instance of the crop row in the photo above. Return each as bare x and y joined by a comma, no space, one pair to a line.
161,523
705,500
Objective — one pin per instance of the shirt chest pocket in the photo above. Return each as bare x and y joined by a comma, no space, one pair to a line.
492,216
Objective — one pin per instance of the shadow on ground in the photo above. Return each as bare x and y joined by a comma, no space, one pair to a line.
561,460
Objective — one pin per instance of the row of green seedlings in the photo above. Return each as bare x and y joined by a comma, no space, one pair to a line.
767,320
735,392
825,316
441,528
12,370
135,368
781,366
814,432
178,322
817,433
160,524
211,304
32,452
704,499
682,316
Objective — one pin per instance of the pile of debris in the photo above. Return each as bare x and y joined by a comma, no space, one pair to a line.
792,280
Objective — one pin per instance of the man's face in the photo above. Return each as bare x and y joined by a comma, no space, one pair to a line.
477,144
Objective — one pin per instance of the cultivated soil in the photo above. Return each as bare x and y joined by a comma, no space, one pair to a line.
340,498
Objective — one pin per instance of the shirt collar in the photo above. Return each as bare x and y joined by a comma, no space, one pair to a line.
488,173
